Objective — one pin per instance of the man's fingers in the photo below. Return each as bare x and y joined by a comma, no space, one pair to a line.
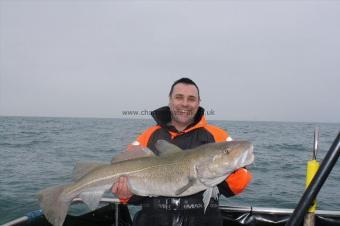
120,187
123,180
122,184
114,188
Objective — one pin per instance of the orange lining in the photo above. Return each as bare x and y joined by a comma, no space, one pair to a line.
173,134
143,139
200,124
219,134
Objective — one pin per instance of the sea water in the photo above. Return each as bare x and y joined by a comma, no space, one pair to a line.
38,152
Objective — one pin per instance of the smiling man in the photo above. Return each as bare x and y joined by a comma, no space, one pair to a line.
184,101
182,123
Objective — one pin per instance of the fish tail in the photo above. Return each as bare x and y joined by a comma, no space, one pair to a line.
54,204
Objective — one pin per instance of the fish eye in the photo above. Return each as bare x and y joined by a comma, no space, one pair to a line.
226,151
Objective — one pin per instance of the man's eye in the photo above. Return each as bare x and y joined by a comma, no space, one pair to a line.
192,99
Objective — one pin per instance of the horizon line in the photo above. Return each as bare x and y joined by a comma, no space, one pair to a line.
150,118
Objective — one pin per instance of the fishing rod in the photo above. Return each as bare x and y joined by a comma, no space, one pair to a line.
313,189
312,167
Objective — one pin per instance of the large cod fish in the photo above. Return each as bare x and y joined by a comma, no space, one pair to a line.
173,173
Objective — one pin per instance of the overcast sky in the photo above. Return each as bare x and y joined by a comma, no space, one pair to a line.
253,60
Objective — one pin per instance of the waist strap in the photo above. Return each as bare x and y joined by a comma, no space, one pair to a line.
169,204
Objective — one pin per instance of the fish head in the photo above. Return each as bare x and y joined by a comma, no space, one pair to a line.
230,156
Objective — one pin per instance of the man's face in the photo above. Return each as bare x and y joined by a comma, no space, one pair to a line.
184,103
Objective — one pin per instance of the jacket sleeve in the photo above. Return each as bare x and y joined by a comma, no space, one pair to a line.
235,183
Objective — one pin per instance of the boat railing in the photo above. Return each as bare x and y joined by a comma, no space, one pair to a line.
237,208
249,209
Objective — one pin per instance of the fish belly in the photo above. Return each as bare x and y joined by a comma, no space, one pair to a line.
165,180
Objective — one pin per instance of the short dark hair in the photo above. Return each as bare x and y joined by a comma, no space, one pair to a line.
187,81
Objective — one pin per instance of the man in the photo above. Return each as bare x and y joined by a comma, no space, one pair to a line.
183,124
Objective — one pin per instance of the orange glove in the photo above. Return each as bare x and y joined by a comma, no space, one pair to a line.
239,180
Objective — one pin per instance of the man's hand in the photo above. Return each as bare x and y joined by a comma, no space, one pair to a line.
120,188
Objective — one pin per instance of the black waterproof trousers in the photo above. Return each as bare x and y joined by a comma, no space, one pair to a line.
177,218
178,215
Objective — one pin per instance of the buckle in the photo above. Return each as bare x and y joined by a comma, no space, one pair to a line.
168,204
174,204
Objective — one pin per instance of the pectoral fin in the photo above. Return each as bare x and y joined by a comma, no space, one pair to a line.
210,192
190,183
206,177
206,197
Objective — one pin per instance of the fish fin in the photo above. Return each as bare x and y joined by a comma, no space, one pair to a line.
91,198
205,176
54,204
83,168
191,181
206,197
215,193
211,192
132,153
164,147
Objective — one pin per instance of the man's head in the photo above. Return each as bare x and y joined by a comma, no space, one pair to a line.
184,101
186,81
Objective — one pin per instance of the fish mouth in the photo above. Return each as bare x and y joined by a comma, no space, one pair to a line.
250,156
247,158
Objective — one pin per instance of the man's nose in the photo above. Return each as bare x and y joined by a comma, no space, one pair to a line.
185,102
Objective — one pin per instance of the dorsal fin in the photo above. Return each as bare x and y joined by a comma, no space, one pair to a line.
164,147
132,152
83,168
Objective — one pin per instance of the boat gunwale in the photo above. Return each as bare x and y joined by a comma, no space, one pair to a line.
265,210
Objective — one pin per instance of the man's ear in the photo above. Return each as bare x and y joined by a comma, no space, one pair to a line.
169,101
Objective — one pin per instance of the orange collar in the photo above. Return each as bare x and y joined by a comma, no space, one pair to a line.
200,124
